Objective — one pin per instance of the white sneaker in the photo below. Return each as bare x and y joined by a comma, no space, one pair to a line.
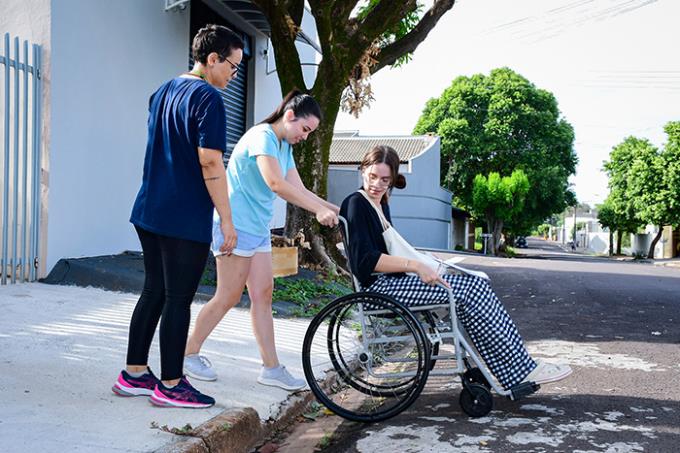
280,377
548,372
199,367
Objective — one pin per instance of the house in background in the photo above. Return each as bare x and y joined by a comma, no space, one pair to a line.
422,211
589,233
592,237
101,62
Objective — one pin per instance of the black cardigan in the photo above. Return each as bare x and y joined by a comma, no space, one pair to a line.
366,242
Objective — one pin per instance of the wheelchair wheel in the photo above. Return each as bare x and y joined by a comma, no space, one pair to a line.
364,357
346,364
476,400
475,376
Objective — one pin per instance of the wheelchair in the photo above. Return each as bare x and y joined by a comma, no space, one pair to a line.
367,356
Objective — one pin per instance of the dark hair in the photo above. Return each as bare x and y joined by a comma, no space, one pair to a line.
214,38
302,105
383,154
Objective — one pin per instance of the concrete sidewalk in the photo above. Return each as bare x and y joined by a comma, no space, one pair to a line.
63,347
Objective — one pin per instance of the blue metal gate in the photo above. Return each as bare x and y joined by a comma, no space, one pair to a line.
20,169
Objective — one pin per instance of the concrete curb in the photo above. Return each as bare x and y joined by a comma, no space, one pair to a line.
668,264
239,430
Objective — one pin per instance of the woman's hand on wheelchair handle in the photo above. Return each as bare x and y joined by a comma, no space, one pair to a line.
327,217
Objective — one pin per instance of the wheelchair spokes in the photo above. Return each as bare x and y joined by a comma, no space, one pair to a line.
369,375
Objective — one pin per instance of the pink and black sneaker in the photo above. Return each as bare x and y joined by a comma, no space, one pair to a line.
181,395
127,385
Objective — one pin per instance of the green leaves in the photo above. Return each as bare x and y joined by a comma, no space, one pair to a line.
498,197
500,122
671,165
644,184
499,200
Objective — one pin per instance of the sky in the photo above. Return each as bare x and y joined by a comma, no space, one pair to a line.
612,65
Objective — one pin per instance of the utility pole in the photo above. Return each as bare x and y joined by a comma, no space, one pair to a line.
574,235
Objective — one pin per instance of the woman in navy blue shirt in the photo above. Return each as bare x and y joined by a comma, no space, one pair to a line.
183,180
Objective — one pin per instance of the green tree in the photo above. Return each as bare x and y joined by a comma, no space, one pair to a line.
618,215
621,159
645,183
653,185
543,230
354,46
606,216
647,191
498,199
671,164
500,122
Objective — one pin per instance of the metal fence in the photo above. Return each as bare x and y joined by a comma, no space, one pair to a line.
20,96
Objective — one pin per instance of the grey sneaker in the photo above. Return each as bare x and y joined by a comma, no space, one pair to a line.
548,372
280,377
199,367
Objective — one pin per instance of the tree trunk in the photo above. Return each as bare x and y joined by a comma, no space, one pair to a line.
344,42
495,227
611,242
650,254
619,236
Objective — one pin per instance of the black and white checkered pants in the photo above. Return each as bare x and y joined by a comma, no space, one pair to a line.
479,311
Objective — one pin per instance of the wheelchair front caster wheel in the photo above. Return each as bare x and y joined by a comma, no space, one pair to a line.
476,400
475,376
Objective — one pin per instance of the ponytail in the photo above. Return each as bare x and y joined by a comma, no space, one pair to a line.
302,105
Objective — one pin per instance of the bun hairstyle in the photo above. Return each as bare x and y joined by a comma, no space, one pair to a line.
400,182
383,154
302,105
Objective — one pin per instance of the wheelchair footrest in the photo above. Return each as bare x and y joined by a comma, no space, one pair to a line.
524,389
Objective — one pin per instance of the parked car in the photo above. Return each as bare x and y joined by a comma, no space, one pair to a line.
521,242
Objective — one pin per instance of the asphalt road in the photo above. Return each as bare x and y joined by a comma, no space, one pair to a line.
615,323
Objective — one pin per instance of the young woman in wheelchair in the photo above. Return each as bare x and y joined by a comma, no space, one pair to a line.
414,283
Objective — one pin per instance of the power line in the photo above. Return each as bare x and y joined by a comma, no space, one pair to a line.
555,21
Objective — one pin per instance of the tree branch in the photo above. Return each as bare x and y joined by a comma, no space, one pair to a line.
383,17
342,9
332,32
392,52
296,9
283,32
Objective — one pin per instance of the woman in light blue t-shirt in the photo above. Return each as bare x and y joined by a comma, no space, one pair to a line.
260,168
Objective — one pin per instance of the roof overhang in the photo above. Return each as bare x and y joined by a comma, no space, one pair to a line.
246,11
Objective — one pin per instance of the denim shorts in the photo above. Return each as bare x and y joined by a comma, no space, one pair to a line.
247,244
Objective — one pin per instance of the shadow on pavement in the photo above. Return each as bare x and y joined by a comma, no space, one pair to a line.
540,423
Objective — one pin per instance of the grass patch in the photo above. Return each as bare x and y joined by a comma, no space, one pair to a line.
325,441
311,295
186,430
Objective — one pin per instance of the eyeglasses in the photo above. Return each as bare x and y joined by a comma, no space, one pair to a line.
234,67
378,181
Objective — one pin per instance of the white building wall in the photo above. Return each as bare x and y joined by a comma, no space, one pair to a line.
30,20
108,58
640,243
102,60
27,19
